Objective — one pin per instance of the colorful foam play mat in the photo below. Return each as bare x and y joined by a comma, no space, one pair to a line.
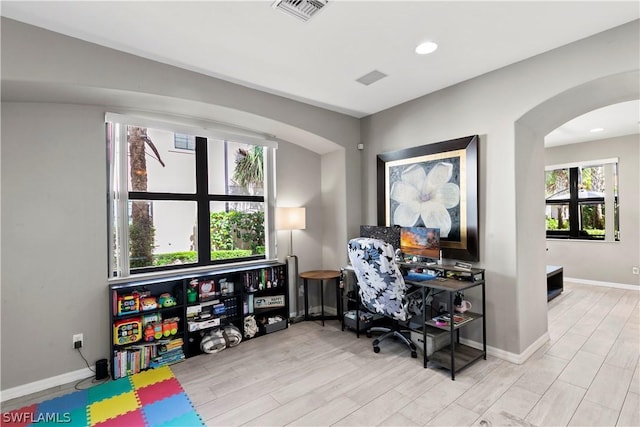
150,398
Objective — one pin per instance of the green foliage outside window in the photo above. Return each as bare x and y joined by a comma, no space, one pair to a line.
233,235
237,230
191,257
552,224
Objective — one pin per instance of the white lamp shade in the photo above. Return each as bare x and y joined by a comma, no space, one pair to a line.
290,219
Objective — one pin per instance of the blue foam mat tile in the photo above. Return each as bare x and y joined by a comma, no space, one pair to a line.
190,419
66,403
76,417
162,411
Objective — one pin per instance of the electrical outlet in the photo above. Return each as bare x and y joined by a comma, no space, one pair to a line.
442,307
77,341
635,270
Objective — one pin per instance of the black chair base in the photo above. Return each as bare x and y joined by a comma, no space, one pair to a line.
395,333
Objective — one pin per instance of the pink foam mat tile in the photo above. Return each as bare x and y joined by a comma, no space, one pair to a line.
158,391
20,417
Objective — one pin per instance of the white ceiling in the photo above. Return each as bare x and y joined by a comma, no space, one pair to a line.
317,62
615,120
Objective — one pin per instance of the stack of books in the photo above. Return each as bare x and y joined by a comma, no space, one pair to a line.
170,352
458,319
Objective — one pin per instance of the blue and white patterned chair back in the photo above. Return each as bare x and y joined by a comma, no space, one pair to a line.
382,288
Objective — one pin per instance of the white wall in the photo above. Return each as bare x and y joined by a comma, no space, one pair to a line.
608,262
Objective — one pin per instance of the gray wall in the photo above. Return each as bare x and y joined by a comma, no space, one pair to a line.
604,261
511,163
298,183
54,246
55,91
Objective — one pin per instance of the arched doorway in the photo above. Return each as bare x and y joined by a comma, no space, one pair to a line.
530,130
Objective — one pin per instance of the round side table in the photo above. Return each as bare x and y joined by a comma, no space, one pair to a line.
321,276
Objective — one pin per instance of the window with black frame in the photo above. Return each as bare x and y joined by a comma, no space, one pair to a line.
582,201
172,209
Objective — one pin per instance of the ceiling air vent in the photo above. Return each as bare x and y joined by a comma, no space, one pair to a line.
301,9
371,77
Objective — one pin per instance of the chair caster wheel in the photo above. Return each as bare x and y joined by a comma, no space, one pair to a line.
414,354
376,349
368,334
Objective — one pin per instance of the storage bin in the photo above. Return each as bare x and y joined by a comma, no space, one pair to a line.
366,320
273,327
436,339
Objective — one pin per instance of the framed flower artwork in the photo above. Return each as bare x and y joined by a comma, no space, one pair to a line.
436,186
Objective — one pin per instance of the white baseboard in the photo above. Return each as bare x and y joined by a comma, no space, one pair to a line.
605,284
44,384
516,358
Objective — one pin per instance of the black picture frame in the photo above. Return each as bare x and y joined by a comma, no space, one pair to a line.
460,157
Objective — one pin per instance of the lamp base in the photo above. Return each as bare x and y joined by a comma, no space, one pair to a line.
292,279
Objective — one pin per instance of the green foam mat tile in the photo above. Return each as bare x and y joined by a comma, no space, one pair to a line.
108,390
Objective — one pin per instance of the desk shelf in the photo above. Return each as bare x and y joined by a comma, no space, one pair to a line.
471,317
464,355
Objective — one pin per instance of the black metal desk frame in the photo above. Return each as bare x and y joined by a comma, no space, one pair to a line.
451,286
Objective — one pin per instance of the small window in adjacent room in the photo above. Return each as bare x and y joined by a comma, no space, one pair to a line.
183,141
582,201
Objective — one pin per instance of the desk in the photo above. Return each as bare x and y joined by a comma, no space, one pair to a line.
457,355
321,276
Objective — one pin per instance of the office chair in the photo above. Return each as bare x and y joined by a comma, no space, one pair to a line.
381,286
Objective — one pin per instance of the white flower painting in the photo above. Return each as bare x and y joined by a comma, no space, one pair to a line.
434,186
426,196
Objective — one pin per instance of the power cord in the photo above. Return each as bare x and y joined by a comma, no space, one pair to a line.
85,361
92,378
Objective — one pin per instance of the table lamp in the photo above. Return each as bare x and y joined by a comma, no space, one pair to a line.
291,219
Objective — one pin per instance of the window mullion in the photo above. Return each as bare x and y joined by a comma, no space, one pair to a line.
270,202
122,197
609,202
574,216
202,193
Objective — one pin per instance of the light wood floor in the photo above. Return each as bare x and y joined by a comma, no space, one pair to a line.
307,375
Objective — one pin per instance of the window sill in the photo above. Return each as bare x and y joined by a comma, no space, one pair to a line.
191,271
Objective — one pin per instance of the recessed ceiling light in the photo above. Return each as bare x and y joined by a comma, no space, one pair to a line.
426,47
594,130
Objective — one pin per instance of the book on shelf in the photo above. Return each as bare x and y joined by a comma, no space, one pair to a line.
145,355
458,319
